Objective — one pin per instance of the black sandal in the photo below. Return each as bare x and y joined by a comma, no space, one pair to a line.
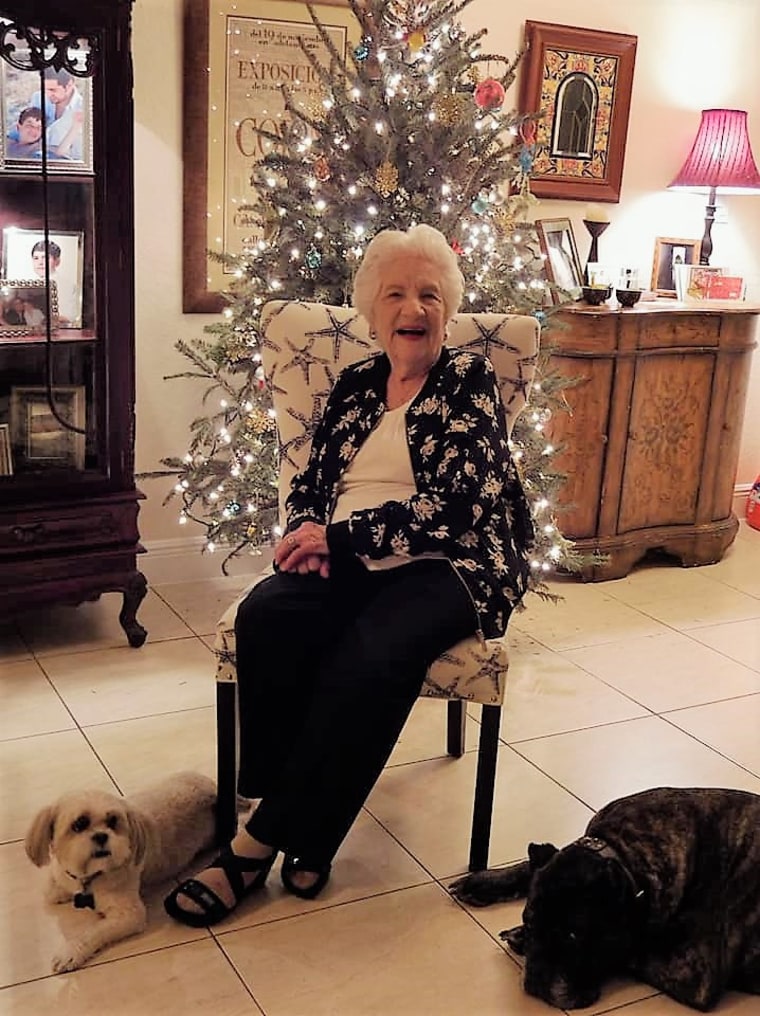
215,909
293,864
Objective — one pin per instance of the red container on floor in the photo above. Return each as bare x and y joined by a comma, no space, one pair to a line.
753,505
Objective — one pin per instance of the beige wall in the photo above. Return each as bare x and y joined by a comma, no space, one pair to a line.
692,54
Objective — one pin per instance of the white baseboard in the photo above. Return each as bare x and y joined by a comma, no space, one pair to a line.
739,504
181,560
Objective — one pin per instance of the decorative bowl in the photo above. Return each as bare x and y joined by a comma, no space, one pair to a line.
596,295
627,297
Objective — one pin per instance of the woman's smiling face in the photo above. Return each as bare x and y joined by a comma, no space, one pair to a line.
409,317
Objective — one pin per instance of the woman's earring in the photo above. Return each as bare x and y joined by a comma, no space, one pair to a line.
373,335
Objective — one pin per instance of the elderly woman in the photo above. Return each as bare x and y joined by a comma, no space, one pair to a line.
406,533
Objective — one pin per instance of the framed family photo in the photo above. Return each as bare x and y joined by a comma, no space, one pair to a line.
37,434
24,307
24,257
578,83
669,252
563,266
237,54
60,112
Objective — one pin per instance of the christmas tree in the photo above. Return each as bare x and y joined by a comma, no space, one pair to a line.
409,127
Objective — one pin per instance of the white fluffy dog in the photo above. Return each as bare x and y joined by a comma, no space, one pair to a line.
100,848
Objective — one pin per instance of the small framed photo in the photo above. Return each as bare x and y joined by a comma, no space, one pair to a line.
6,459
61,108
24,307
563,266
38,435
24,252
670,252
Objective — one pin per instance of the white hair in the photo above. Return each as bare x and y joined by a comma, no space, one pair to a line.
424,241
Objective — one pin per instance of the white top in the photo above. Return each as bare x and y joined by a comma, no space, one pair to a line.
380,471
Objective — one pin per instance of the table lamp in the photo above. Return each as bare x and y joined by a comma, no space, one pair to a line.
720,159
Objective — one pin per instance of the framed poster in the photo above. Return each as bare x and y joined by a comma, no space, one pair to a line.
24,258
578,82
237,55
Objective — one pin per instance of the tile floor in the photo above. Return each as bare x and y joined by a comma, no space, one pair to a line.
649,680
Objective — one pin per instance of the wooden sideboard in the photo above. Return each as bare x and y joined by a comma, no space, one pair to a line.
651,446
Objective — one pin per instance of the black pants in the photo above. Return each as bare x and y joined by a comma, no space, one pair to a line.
328,671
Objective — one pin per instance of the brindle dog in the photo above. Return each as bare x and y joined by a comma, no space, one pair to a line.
664,886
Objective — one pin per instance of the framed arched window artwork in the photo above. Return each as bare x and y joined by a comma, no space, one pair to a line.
578,83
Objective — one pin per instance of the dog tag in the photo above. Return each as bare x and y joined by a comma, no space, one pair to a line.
82,900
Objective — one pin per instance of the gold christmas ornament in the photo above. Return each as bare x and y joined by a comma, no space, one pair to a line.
315,109
448,109
416,41
386,179
473,73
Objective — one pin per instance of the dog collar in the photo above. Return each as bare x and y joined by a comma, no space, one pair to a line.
84,898
603,849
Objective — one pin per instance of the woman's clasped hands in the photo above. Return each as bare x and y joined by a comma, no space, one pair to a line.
304,550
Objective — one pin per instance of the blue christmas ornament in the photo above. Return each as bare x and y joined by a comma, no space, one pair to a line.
362,50
479,205
313,257
539,315
526,158
233,508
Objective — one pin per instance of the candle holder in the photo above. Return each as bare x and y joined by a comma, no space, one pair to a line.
595,230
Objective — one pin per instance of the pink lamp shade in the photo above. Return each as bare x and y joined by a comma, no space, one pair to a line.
721,155
720,159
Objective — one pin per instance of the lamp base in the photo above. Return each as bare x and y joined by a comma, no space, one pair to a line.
706,246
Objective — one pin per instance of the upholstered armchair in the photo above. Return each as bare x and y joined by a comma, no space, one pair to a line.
304,347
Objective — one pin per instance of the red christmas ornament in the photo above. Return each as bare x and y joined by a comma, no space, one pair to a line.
489,94
457,247
322,169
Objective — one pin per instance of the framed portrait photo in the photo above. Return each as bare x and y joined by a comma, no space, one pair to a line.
563,266
237,54
62,111
669,252
24,307
24,257
38,437
577,82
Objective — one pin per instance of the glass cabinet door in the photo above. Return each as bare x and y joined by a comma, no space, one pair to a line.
52,361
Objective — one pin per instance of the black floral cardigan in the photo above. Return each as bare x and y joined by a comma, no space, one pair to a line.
469,504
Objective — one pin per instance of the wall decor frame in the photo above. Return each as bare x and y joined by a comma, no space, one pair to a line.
578,82
6,458
668,252
236,55
38,438
24,307
24,256
68,132
562,264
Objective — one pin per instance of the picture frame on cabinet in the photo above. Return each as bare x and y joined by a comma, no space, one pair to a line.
577,83
669,252
24,308
237,53
38,436
6,458
66,118
24,256
562,263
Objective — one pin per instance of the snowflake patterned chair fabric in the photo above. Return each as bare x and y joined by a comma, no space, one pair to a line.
304,347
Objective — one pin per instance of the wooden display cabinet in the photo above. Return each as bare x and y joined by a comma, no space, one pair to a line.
68,501
651,446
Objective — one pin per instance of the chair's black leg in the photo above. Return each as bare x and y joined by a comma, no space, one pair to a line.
455,721
485,782
226,760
